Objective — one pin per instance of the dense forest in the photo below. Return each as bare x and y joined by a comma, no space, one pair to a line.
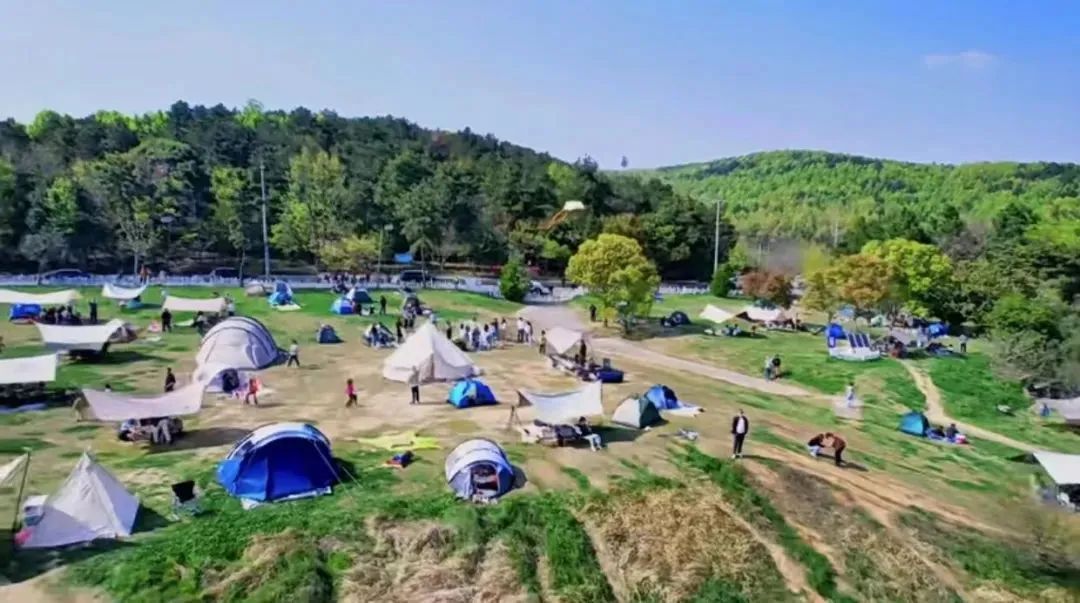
180,190
992,245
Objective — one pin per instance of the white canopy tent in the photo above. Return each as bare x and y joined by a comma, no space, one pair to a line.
112,406
1064,469
757,314
35,369
561,340
432,354
11,468
566,407
56,298
90,338
214,305
111,291
717,315
90,504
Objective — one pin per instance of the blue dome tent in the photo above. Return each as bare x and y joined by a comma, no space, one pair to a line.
662,397
342,306
479,469
359,296
280,461
834,333
282,295
327,334
470,392
914,423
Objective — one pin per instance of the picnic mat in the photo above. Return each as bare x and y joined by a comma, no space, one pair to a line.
287,308
401,441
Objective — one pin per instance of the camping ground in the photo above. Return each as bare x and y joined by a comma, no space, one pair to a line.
650,518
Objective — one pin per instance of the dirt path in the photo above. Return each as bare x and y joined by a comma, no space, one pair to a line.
46,588
935,411
620,347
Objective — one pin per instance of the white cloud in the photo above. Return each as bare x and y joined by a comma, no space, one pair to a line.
968,59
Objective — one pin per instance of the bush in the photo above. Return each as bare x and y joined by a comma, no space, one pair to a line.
721,280
513,281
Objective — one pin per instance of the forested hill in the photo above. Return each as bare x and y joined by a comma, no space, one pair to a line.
180,189
818,195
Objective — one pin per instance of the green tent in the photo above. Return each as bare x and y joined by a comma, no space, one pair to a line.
638,413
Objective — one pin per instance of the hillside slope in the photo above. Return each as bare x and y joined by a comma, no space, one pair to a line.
806,194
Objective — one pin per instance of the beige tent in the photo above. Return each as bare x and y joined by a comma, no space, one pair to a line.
432,354
717,315
35,369
112,406
563,341
87,338
757,314
215,305
111,291
565,407
56,298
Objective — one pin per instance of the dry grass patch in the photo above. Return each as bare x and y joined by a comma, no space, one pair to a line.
668,544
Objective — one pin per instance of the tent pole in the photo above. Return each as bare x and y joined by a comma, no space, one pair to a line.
18,499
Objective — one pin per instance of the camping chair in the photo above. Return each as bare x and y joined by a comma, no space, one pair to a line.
185,502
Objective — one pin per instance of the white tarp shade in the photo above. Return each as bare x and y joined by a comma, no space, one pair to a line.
111,291
714,314
188,304
757,314
432,354
562,340
112,406
10,469
35,369
56,298
90,338
566,407
90,504
1064,469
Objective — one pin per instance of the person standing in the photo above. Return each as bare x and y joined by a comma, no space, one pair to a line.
382,304
520,330
849,395
543,343
414,386
350,393
768,368
93,312
252,392
740,426
170,380
294,354
166,321
592,312
583,353
963,343
400,334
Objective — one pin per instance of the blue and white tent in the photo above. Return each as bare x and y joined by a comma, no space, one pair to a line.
664,399
359,296
470,392
282,295
479,468
280,461
343,306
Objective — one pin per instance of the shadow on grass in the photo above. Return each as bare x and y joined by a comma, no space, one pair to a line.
114,357
611,434
202,438
18,565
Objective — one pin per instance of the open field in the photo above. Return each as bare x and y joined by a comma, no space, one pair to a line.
650,518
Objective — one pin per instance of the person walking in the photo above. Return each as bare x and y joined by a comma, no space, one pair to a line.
414,386
166,321
520,330
252,395
768,368
93,312
170,380
592,312
849,395
963,343
382,304
350,393
543,343
399,332
294,354
740,426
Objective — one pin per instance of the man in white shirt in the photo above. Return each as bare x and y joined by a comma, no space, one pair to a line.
740,426
294,354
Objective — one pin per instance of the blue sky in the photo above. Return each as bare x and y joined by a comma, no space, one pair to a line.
660,82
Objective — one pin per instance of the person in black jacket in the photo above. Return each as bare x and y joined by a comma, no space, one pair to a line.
170,380
740,426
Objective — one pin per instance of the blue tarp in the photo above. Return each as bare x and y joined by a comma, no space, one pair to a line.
403,258
937,329
279,461
914,423
470,392
833,334
24,311
342,306
472,459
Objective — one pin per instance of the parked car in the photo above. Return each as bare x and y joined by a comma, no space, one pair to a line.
538,288
413,276
224,273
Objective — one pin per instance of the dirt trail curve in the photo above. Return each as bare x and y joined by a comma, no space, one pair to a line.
935,411
620,347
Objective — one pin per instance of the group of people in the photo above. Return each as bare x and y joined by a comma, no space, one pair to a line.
68,315
740,428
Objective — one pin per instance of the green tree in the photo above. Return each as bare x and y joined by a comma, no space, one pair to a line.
229,187
350,254
513,280
772,287
720,285
862,281
615,270
920,272
822,292
314,212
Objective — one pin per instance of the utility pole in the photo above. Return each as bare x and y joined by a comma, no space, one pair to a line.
716,240
266,240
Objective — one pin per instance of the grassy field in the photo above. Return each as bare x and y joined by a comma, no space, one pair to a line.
648,519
